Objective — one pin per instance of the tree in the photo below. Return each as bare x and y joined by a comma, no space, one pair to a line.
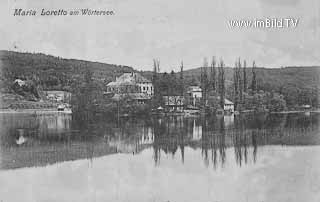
213,74
157,98
240,82
204,81
181,79
236,85
86,96
245,85
254,78
221,79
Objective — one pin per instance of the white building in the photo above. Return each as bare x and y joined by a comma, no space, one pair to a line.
228,106
194,91
174,102
131,83
58,96
195,94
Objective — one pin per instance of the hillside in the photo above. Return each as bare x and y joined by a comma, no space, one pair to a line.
53,73
299,85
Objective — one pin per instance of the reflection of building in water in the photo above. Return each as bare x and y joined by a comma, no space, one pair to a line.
131,143
197,131
168,136
228,120
56,123
147,137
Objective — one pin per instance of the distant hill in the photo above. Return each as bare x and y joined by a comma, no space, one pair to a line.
53,72
300,85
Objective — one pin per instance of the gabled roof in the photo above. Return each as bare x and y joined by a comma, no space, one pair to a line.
228,102
129,79
140,79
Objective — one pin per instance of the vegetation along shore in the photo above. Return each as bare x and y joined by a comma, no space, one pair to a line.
44,82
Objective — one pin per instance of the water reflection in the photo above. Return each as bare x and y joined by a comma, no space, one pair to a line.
28,141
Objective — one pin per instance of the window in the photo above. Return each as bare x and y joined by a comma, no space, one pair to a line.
144,88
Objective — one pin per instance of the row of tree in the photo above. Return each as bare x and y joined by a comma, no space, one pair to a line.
243,92
215,83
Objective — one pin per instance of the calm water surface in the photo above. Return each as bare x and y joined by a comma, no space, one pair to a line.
262,158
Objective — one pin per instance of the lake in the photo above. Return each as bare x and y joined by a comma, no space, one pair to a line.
251,158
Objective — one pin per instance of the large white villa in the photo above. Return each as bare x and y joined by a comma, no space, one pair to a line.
132,84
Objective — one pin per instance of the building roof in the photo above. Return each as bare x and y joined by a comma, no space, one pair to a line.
129,79
194,89
228,102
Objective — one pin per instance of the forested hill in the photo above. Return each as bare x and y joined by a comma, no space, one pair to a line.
299,85
53,72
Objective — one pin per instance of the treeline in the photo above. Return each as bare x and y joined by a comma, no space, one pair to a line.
248,86
294,85
298,85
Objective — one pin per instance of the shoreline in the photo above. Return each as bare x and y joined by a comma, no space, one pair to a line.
55,111
296,111
34,111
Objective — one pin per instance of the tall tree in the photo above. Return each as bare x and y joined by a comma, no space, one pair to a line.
173,84
254,78
245,83
204,81
181,79
221,80
236,84
156,82
240,81
213,74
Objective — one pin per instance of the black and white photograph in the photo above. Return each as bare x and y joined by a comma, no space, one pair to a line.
159,101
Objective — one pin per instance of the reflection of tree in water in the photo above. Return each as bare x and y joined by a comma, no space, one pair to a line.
245,135
213,141
168,136
241,142
64,138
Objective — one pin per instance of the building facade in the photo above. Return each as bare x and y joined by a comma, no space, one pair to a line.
228,106
174,103
194,94
132,85
58,96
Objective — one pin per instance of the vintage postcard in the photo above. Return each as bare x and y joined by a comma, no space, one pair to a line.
159,101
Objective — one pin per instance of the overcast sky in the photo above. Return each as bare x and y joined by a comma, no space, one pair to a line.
171,30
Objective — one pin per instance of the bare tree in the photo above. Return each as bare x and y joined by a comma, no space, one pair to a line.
181,79
155,81
213,74
245,83
204,81
254,78
221,80
236,84
240,81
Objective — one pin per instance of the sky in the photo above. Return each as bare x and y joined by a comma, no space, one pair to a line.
170,30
